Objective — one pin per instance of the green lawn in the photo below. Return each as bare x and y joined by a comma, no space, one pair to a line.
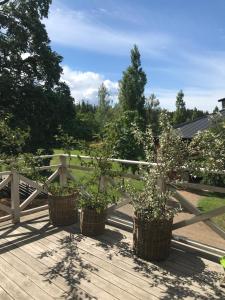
81,175
213,201
78,174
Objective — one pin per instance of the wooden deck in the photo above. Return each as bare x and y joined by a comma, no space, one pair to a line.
39,261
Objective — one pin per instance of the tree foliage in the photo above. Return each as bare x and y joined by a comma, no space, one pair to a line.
11,141
131,86
103,108
208,151
103,99
120,138
85,126
131,109
93,192
153,110
216,109
169,156
30,73
180,113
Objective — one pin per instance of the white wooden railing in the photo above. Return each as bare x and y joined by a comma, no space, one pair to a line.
14,178
62,170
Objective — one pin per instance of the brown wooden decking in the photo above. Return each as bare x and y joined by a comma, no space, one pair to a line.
39,261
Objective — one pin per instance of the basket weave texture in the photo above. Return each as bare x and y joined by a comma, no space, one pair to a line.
92,223
152,238
63,209
222,283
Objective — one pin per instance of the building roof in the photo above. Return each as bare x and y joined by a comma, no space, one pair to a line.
189,129
223,99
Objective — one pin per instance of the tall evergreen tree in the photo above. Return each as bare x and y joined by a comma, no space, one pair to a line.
216,110
30,72
132,85
153,110
119,133
194,114
180,113
103,106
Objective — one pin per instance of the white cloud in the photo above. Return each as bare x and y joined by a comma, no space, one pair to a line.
200,75
84,85
80,29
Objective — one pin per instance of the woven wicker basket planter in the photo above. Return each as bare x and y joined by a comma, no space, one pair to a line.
222,283
152,239
92,223
63,209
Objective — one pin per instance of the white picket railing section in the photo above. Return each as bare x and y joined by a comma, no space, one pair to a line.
62,170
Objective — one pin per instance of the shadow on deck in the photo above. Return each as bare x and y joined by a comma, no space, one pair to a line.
47,262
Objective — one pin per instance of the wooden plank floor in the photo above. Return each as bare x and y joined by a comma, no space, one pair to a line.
39,261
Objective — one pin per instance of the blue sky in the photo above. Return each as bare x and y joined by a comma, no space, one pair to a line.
181,43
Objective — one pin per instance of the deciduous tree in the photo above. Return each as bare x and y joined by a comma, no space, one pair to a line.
30,71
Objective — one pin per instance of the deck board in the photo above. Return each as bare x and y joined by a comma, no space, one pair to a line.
103,280
4,295
39,261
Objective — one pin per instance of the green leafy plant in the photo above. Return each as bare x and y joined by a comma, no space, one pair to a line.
65,141
93,193
12,141
29,165
208,148
166,156
57,190
119,136
222,262
207,151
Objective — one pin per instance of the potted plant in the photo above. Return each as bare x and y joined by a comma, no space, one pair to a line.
63,204
153,216
222,262
94,196
63,199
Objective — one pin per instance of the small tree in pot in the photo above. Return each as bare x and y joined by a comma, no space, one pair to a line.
153,217
94,196
63,204
63,198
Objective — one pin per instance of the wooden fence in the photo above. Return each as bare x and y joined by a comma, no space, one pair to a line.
63,171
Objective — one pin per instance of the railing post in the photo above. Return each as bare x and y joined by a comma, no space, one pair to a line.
63,171
15,197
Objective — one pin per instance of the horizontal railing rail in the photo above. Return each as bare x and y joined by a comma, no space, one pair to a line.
17,209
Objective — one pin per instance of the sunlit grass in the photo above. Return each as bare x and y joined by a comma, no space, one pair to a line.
213,201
